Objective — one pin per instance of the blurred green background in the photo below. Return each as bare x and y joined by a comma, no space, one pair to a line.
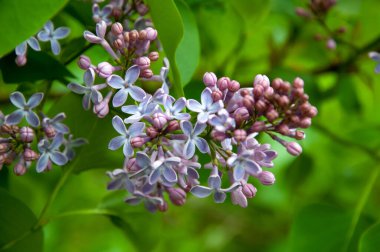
325,200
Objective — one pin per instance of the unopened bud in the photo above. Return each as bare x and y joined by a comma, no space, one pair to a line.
21,60
283,129
84,62
299,135
26,134
276,83
151,34
331,44
101,109
240,135
116,29
118,44
271,115
143,62
177,196
258,126
218,136
241,115
305,123
159,120
137,142
151,132
131,165
20,168
142,35
248,102
105,70
209,79
154,56
238,198
216,95
163,207
133,35
249,190
303,12
260,105
223,83
293,148
30,155
298,83
266,178
4,147
173,126
233,86
49,131
146,73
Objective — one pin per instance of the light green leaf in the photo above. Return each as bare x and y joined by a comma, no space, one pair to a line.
20,19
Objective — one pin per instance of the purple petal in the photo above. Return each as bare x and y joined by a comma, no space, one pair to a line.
61,32
96,96
182,116
239,172
179,105
214,182
133,201
169,174
132,74
21,49
206,98
137,93
86,102
49,26
252,167
215,107
43,36
142,160
106,11
32,119
89,77
55,47
76,88
90,37
219,197
42,162
194,105
377,69
128,149
119,125
101,29
129,185
136,129
201,191
232,188
116,142
189,149
203,117
202,145
120,98
133,118
57,141
192,173
60,127
18,99
58,158
33,43
375,56
154,176
186,127
130,109
199,128
15,117
35,100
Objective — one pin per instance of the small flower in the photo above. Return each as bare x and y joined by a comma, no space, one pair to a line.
243,164
151,203
101,29
70,144
214,183
90,91
49,34
22,48
223,121
55,122
120,180
126,86
174,110
376,57
101,14
193,139
206,108
50,152
25,109
124,140
137,112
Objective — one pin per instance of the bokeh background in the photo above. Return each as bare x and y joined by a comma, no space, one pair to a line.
325,200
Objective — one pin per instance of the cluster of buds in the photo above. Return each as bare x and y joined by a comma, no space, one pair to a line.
41,139
317,10
48,33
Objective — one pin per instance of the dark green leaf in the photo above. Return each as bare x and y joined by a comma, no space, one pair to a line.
20,19
347,94
16,221
41,66
370,241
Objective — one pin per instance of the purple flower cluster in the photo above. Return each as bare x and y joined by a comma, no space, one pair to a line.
18,139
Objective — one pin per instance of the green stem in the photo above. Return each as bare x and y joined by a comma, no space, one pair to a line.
18,239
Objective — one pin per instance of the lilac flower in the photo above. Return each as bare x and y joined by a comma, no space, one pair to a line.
22,48
25,109
145,108
49,34
193,139
206,108
151,203
70,144
174,110
243,164
120,180
126,86
162,169
50,152
223,121
376,57
55,122
101,14
90,91
214,183
124,140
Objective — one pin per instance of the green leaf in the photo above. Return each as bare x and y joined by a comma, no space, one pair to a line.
16,222
347,94
98,133
40,66
188,52
370,241
20,19
168,22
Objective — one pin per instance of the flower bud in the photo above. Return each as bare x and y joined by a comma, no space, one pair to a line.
118,44
303,12
248,102
233,86
244,92
240,135
331,44
20,168
142,35
154,56
116,29
49,131
305,123
283,101
159,120
299,135
142,9
261,80
312,112
21,60
260,105
101,109
223,83
131,165
249,190
105,70
146,73
209,79
293,148
276,83
143,62
298,83
283,129
151,34
84,62
218,136
258,126
133,35
177,196
26,134
151,132
266,178
173,126
258,91
216,95
4,147
29,155
238,198
241,115
163,207
137,142
271,115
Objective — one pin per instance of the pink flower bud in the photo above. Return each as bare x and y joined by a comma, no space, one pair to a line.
30,155
249,190
303,12
84,62
261,80
26,134
116,29
4,147
209,79
266,178
233,86
142,35
293,148
173,126
151,132
21,60
154,56
238,198
241,115
331,44
216,95
260,105
298,83
223,83
177,196
131,165
313,111
163,207
159,120
20,168
218,136
143,62
105,70
92,38
137,142
305,123
102,109
49,131
299,135
151,34
240,135
146,73
258,126
271,115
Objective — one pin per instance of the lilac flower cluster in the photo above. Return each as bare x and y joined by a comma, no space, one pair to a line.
48,33
161,136
19,141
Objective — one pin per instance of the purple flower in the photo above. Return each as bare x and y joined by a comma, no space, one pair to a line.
126,86
376,57
193,139
145,108
101,14
243,164
22,48
49,34
56,123
207,106
50,152
124,140
222,122
90,91
151,203
214,183
120,180
70,144
174,110
25,109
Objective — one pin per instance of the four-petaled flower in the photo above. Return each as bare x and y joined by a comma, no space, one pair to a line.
70,143
49,34
55,122
243,163
207,106
174,110
126,86
120,180
214,183
90,91
25,109
124,140
193,139
101,14
137,112
222,122
50,152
